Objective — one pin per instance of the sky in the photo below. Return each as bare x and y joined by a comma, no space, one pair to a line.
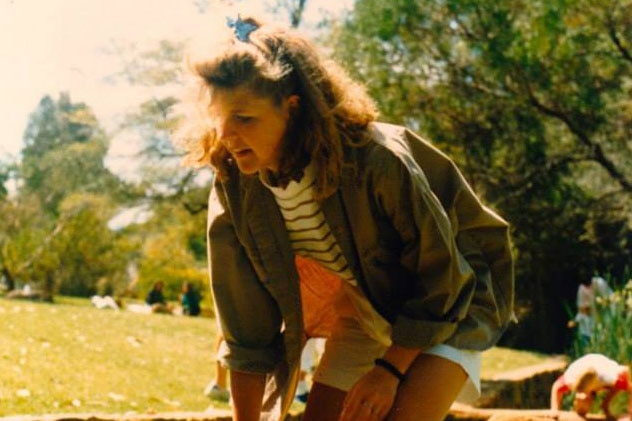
53,46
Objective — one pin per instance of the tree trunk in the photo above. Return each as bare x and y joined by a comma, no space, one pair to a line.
8,279
48,289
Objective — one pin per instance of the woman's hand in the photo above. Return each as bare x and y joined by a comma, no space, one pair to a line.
371,398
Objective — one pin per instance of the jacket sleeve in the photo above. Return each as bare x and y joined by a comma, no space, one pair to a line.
248,316
456,251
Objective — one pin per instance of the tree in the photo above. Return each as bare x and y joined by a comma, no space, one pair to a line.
64,152
87,250
54,232
532,99
294,8
22,236
5,175
168,245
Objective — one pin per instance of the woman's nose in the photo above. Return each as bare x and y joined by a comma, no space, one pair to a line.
224,132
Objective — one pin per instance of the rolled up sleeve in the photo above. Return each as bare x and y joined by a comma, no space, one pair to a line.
248,316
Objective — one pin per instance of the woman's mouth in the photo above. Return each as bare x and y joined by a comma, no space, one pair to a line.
241,153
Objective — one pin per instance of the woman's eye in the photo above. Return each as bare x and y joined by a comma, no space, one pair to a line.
243,118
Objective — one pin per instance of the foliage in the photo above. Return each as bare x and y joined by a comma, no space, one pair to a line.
87,248
294,8
64,152
4,178
54,232
23,233
532,100
159,66
167,254
612,335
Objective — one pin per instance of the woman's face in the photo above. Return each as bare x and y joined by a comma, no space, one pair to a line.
251,127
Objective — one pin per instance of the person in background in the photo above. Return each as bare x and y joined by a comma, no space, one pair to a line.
217,389
156,300
311,192
590,375
190,300
590,290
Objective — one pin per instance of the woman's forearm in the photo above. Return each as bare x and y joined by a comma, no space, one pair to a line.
247,393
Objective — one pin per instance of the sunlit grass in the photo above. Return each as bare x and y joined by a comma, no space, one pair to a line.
498,360
69,357
60,358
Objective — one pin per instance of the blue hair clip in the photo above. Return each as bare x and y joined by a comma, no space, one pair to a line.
241,28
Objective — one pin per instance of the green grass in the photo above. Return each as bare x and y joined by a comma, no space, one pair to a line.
69,357
498,360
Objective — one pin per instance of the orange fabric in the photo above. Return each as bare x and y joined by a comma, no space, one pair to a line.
320,289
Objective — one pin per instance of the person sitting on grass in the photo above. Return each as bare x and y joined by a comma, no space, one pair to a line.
190,300
156,300
589,376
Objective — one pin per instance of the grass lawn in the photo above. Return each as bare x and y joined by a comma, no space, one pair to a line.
69,357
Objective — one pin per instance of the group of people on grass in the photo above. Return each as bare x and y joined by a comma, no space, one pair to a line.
189,300
155,301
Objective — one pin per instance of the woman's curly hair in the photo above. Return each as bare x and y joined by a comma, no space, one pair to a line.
275,63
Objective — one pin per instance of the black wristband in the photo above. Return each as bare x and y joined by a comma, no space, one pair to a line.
381,362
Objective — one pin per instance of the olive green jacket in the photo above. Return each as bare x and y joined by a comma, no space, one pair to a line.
428,255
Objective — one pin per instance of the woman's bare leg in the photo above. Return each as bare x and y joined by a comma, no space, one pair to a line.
432,384
221,371
324,403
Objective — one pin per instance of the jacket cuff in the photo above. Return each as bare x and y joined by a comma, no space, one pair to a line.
411,333
249,360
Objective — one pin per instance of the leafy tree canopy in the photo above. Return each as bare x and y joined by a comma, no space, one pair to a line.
532,98
64,152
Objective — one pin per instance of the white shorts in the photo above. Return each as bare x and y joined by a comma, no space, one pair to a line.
350,353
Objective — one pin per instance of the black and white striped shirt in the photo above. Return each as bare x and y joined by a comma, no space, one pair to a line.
308,230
